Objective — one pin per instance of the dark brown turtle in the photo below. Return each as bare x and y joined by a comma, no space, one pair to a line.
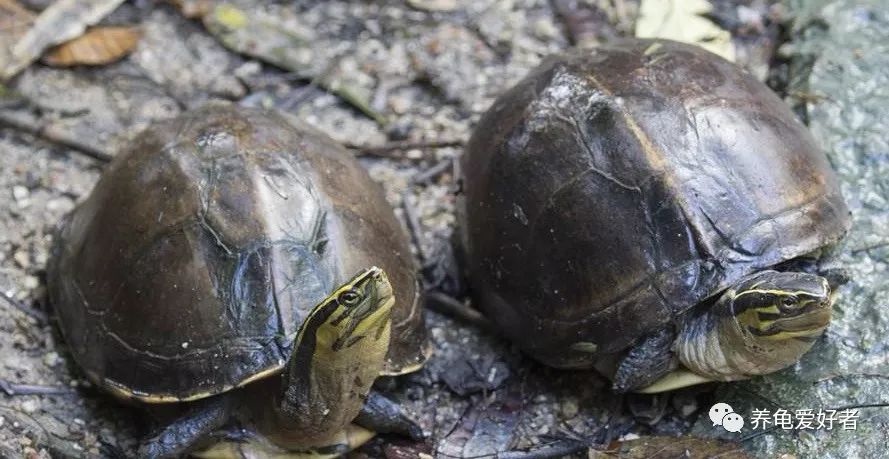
646,207
218,251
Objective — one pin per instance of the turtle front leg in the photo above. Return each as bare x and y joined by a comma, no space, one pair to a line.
647,362
382,415
187,431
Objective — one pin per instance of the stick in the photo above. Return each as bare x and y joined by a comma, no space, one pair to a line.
413,223
386,150
39,316
451,307
30,389
54,135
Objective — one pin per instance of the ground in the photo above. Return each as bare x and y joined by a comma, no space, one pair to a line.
415,73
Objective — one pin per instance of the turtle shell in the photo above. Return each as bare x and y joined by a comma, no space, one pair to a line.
613,189
192,264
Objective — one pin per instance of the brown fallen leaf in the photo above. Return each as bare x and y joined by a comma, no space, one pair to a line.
193,9
14,16
98,46
61,21
15,20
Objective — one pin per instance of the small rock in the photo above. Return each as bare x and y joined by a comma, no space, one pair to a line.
248,70
31,282
628,437
569,408
30,406
22,259
51,359
20,193
59,204
545,29
399,105
433,5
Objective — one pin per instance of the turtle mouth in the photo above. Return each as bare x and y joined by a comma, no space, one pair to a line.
813,318
808,320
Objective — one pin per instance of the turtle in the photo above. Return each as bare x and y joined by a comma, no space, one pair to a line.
211,272
648,209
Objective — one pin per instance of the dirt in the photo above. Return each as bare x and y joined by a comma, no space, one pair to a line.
431,73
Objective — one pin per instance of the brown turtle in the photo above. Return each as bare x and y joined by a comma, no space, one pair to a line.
214,265
652,210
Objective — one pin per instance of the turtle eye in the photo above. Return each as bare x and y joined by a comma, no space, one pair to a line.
789,301
349,298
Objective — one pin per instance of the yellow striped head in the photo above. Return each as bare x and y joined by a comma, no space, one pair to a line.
776,306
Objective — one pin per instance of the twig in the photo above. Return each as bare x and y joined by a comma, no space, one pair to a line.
413,223
29,389
423,178
315,83
413,220
39,316
452,307
386,150
52,134
563,449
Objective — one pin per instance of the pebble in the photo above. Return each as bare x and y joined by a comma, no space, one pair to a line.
569,408
30,406
51,359
545,29
31,282
433,5
20,193
399,105
59,205
22,259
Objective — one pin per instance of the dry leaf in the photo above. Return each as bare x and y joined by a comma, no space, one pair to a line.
14,22
14,17
98,46
193,9
60,22
683,20
281,38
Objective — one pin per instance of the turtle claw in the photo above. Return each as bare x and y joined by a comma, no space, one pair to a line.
385,416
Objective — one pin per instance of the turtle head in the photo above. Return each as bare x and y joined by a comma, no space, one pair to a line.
775,305
337,355
764,323
357,313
